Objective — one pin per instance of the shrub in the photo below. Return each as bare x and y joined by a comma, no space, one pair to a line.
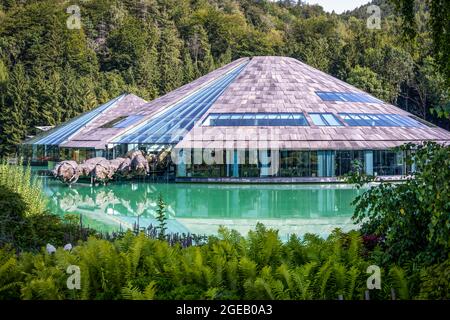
411,219
12,210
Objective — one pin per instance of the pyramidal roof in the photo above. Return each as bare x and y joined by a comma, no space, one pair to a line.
264,88
286,85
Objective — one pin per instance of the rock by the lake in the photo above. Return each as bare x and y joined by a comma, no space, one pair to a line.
115,164
139,164
124,169
102,171
67,171
88,166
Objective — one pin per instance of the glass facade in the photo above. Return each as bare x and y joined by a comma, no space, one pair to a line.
291,163
172,124
387,163
42,154
243,163
60,134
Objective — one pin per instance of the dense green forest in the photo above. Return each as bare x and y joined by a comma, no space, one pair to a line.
57,61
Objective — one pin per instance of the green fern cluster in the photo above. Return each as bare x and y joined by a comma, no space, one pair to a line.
228,266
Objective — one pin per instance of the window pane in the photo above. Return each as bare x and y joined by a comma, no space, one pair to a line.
257,119
373,120
317,119
347,97
325,119
331,119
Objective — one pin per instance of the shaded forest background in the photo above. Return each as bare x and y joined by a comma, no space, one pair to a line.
50,73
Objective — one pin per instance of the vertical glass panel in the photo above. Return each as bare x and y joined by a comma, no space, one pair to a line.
368,161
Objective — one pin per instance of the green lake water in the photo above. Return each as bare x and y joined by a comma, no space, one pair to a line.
203,208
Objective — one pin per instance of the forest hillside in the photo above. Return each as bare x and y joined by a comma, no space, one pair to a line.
61,58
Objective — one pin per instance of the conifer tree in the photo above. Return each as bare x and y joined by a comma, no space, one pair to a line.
161,217
169,58
13,107
188,67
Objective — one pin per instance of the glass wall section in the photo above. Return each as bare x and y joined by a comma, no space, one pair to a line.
51,153
388,163
368,162
265,163
205,169
295,163
345,160
250,168
78,155
314,164
326,164
38,154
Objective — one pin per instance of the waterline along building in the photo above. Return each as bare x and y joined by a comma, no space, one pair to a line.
261,118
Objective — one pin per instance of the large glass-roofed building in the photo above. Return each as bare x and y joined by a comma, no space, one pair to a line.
264,117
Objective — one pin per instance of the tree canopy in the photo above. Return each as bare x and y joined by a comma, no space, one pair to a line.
50,72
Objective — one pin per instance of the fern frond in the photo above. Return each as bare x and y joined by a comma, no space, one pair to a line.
399,282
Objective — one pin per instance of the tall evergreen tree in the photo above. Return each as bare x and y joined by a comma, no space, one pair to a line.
188,67
14,104
169,59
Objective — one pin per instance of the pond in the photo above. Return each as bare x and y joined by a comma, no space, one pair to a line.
203,208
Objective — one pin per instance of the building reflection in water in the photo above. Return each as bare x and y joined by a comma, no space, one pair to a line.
204,207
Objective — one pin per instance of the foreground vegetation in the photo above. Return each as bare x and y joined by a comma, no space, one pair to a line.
405,231
229,266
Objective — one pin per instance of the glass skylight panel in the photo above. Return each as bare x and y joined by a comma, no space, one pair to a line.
378,120
317,119
324,119
331,119
347,97
70,128
128,121
182,115
421,121
256,119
